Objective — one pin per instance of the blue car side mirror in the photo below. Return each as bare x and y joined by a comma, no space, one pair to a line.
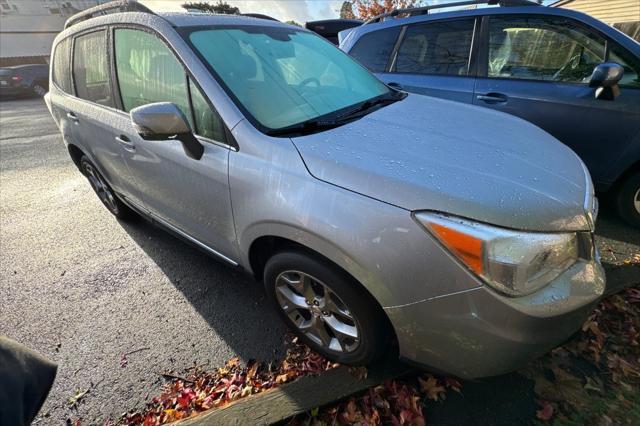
605,79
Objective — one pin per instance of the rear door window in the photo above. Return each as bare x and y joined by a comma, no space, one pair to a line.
373,49
91,68
436,48
60,69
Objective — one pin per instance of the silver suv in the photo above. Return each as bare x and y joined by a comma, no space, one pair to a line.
371,216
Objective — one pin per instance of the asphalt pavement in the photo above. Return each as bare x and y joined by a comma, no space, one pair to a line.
86,290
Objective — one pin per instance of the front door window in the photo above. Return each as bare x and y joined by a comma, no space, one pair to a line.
545,48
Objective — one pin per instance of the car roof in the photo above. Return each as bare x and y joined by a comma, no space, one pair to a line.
620,37
520,10
174,20
188,19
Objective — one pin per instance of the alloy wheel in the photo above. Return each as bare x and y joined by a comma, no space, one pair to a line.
317,311
636,201
101,188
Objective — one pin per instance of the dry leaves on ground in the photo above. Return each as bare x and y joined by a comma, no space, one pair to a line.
596,376
200,391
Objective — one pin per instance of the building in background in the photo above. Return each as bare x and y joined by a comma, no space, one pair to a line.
28,27
621,14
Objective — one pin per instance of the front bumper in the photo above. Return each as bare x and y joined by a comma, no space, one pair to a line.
478,333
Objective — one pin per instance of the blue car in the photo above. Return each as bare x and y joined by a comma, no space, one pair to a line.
568,73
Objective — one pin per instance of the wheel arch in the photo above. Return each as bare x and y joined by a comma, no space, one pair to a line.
265,246
629,171
75,153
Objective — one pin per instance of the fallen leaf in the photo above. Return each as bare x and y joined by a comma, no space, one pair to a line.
546,412
431,387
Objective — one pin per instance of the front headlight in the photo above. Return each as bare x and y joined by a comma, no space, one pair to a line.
515,263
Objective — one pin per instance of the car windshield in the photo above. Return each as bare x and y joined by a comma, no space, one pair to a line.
282,76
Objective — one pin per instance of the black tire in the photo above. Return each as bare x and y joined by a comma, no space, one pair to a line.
368,317
39,90
628,200
104,192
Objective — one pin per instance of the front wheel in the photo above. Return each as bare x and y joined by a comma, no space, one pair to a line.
102,189
628,200
330,312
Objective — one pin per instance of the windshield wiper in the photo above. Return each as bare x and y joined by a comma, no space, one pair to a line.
318,124
366,106
305,128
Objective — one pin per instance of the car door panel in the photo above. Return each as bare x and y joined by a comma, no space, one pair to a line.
435,58
543,78
86,113
458,89
96,139
190,196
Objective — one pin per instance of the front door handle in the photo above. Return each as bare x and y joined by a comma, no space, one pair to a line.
126,143
71,116
492,98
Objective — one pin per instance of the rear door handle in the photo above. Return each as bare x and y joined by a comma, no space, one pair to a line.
492,98
72,117
126,143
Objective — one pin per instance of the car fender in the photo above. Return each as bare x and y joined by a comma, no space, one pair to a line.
313,242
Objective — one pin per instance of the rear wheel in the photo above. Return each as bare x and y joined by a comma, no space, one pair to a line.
102,189
628,200
330,312
39,90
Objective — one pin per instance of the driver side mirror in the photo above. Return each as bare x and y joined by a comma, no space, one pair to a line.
164,121
605,79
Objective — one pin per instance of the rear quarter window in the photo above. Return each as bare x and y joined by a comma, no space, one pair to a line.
61,74
374,49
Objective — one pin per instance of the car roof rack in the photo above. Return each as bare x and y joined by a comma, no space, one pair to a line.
106,9
424,10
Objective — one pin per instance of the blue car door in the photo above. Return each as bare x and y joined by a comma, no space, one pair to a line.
431,57
538,67
434,59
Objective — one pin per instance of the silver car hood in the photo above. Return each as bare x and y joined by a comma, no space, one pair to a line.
425,153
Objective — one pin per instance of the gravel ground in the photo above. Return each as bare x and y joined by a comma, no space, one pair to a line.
84,289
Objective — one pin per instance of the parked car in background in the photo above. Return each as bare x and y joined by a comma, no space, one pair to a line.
369,214
570,74
21,80
330,28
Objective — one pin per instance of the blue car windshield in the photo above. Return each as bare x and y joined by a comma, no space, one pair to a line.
282,76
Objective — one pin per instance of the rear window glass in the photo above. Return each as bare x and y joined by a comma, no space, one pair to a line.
91,68
60,70
374,49
437,48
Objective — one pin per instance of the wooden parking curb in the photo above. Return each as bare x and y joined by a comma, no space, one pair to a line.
620,277
294,398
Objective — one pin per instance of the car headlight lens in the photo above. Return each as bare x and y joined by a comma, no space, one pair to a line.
513,262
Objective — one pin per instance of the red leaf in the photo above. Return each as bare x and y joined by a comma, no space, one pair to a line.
546,412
